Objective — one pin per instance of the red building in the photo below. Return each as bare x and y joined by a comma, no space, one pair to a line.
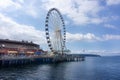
17,47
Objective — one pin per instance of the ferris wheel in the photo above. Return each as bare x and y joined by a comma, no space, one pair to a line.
55,31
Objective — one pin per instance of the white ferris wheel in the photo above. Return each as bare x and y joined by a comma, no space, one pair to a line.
55,31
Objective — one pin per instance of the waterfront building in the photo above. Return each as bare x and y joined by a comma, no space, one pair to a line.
19,47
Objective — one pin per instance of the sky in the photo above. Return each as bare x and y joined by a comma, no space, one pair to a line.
92,26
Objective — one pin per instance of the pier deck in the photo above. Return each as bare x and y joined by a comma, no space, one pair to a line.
14,61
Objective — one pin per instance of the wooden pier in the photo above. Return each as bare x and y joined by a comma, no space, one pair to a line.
16,61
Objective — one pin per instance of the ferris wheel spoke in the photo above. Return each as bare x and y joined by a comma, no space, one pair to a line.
56,19
52,22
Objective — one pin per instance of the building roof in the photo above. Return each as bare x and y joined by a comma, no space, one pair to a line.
18,42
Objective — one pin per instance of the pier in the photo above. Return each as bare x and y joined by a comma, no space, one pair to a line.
17,61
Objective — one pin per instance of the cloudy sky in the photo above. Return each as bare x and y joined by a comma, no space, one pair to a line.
92,25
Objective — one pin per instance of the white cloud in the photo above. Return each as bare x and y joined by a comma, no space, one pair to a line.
113,2
79,37
10,29
91,37
80,11
24,6
21,1
115,17
30,8
110,26
9,4
111,37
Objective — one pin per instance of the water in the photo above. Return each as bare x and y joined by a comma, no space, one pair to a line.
97,68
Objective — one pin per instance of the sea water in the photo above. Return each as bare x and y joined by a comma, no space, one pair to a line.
93,68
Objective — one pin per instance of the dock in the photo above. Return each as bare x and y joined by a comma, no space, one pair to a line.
17,61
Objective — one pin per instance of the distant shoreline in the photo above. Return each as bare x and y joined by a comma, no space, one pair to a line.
87,55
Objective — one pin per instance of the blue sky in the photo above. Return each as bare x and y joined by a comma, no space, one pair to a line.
92,25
